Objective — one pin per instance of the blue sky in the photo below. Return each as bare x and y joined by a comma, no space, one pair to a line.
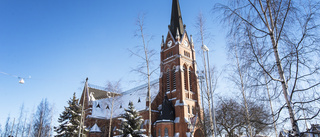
61,42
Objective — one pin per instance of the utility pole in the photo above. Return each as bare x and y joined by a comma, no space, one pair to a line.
211,94
205,48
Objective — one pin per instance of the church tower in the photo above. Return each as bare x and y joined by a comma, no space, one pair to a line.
178,86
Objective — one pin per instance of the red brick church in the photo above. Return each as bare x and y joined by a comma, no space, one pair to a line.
175,96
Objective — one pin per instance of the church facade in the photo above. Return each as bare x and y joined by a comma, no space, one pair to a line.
175,102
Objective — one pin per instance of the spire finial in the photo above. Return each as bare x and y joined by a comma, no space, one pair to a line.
191,40
162,42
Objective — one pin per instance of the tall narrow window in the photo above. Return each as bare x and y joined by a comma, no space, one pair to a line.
168,80
190,79
166,133
159,132
185,78
174,77
188,109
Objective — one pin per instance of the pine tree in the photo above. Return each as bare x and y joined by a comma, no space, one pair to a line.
130,123
69,119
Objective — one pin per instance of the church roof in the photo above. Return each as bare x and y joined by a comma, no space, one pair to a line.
176,23
101,108
167,110
96,93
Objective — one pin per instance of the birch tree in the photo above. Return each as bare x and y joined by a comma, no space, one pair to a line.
6,131
115,88
145,53
41,124
286,33
240,79
19,126
202,32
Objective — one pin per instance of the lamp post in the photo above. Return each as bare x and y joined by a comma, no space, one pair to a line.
206,49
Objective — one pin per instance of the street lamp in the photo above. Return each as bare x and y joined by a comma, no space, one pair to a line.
206,49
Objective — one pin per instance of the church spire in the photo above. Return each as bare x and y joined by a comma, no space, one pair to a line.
176,24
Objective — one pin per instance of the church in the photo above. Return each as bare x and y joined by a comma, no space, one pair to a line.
175,96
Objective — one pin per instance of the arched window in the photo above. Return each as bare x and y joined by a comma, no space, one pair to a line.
188,109
166,133
185,78
174,77
168,80
159,132
190,79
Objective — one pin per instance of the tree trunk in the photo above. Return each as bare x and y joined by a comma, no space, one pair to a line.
243,93
30,125
110,123
148,72
12,127
270,101
284,85
204,123
283,79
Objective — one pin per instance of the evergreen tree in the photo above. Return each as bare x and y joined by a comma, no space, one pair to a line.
130,123
69,119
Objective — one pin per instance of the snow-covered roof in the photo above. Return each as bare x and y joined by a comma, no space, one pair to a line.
95,128
96,93
101,108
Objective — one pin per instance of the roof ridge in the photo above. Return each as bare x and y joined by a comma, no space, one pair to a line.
140,87
97,87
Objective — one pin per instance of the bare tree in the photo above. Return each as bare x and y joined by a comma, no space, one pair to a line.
30,125
203,121
200,25
23,130
115,89
240,81
6,131
18,127
285,32
145,54
231,117
41,124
